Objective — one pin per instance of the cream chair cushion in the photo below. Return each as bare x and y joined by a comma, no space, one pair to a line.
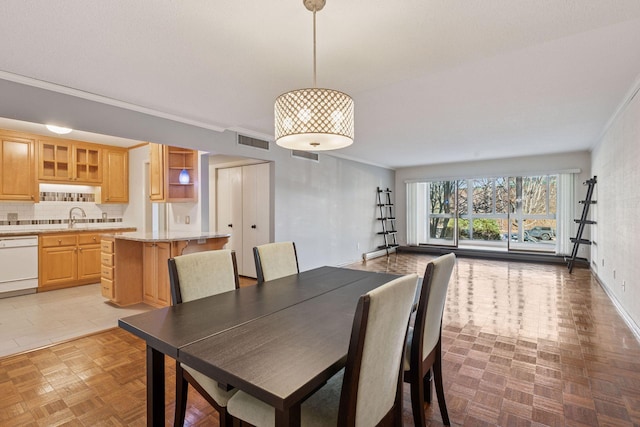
321,409
277,260
389,312
210,386
202,274
437,297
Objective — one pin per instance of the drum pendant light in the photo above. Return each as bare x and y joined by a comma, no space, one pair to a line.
314,119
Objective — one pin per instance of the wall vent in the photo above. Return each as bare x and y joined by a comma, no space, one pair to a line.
305,155
253,142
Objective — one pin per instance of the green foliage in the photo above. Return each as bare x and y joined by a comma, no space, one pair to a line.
483,229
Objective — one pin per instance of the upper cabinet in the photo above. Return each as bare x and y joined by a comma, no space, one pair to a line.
69,162
173,174
17,168
115,180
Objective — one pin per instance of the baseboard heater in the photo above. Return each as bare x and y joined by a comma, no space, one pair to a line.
376,253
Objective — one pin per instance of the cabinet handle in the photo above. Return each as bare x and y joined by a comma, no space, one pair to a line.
59,241
230,225
253,226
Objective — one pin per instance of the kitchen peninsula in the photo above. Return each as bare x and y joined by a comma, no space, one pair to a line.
134,265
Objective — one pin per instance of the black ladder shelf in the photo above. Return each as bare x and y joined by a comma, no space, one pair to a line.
387,219
578,240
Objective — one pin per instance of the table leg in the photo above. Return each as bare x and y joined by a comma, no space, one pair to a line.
288,418
155,387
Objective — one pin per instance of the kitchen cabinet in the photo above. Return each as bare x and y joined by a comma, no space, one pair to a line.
166,165
243,209
134,265
68,259
115,179
70,162
17,168
156,289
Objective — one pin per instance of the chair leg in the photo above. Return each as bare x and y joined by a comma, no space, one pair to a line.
437,373
182,387
417,400
427,386
226,420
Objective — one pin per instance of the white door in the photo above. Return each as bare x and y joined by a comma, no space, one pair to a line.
256,210
229,209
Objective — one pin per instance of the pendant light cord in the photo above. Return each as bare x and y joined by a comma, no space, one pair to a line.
314,48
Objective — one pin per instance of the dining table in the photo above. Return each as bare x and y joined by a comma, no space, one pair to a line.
277,341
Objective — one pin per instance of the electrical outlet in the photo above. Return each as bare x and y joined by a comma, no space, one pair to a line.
187,219
358,246
624,285
12,216
104,215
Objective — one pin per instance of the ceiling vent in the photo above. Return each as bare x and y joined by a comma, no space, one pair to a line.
253,142
308,155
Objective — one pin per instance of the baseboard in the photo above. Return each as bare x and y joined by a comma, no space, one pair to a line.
376,254
635,329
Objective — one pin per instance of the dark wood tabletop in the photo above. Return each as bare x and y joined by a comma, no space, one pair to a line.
170,328
283,357
283,301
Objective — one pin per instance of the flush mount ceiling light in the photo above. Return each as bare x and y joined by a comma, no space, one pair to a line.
58,129
314,119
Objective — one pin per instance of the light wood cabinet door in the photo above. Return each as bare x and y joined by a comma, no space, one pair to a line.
156,172
87,163
163,253
17,168
155,276
89,262
58,265
115,182
55,160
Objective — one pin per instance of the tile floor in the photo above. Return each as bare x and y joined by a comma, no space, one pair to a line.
37,320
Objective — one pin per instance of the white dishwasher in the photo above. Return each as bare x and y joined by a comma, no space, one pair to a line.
18,265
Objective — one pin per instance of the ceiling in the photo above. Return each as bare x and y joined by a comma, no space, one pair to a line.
433,81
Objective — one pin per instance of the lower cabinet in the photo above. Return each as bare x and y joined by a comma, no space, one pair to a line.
68,259
155,273
136,271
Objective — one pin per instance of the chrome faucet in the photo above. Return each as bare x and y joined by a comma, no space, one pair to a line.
72,218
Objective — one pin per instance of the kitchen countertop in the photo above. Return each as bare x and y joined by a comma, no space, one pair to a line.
164,236
38,231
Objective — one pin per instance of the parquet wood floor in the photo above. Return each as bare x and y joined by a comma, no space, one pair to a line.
524,344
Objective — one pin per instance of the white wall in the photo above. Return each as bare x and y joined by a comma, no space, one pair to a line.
327,208
530,165
616,162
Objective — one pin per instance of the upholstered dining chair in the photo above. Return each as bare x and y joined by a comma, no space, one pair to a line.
368,391
193,276
275,260
422,353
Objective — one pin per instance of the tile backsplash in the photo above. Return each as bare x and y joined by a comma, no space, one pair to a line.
52,212
48,213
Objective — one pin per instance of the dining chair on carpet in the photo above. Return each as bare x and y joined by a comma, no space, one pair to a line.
275,260
193,276
422,354
368,391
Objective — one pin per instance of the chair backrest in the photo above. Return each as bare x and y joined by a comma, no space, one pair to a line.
372,379
428,322
201,274
275,260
